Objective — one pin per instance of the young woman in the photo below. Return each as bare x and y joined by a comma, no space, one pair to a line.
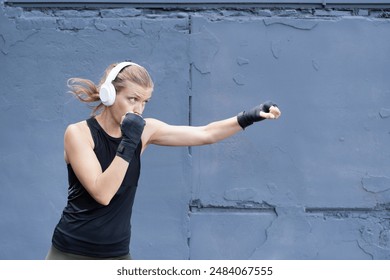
103,160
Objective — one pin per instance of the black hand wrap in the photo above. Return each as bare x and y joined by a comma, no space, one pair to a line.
247,118
132,128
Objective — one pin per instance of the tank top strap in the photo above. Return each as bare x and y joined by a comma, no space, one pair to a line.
94,128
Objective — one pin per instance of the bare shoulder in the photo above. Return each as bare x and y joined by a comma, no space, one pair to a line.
151,128
78,132
154,123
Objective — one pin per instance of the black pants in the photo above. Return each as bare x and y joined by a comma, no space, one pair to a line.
55,254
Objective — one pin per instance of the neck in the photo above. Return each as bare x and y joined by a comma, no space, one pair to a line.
110,125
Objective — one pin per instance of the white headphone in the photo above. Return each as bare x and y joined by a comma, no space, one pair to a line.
107,92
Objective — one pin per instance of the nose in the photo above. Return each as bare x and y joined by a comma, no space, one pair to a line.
139,108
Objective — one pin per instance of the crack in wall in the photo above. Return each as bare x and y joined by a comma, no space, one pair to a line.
196,206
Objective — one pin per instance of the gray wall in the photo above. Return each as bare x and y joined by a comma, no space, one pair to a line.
313,185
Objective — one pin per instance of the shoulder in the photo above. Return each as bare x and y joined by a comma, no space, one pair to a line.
154,123
76,128
152,127
78,132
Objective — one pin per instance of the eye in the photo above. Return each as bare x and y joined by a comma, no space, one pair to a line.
132,99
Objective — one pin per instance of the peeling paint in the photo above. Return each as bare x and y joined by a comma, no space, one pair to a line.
296,233
150,27
36,23
204,45
123,28
77,13
120,13
11,35
375,238
242,61
74,24
13,12
276,48
294,23
384,113
315,65
332,13
376,184
239,79
100,26
12,39
2,42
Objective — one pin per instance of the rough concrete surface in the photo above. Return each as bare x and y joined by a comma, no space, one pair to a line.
313,185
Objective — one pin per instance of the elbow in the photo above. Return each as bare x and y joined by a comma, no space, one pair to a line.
101,193
102,200
209,140
206,138
209,137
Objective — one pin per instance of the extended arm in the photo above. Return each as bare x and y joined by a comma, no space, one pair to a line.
160,133
171,135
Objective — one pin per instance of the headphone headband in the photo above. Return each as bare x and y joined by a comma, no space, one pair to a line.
115,71
107,91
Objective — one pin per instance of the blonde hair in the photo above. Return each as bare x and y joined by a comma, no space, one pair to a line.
86,90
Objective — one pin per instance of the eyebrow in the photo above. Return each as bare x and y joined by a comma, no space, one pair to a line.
140,96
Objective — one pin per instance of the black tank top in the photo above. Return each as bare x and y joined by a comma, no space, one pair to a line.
89,228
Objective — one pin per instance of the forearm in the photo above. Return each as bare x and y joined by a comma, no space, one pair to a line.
108,182
220,130
111,179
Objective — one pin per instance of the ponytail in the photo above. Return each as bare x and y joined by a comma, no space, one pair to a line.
85,91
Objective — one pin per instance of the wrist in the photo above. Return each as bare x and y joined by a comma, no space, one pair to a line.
247,118
132,127
126,149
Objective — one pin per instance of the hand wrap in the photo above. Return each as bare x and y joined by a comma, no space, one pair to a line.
132,127
247,118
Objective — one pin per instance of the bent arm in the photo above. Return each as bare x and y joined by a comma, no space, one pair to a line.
102,186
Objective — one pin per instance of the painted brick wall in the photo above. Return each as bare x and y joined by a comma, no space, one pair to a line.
313,185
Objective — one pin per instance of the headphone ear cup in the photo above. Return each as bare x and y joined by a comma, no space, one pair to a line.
107,94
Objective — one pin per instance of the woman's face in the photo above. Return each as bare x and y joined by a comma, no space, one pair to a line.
132,99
